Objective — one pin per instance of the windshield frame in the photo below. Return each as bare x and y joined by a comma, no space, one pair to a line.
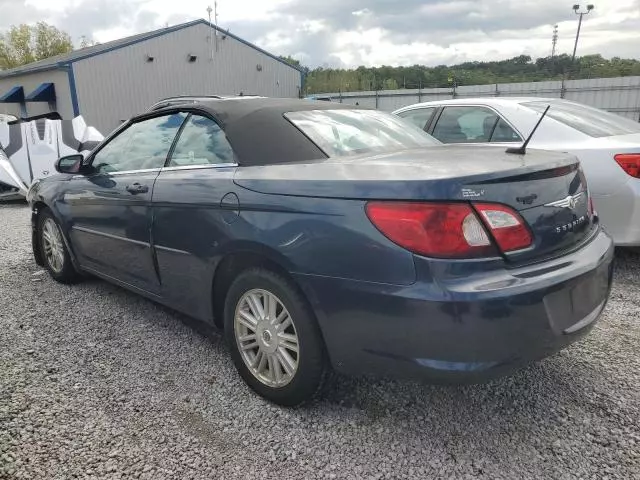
416,137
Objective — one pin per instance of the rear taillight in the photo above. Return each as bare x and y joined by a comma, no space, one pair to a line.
450,230
507,227
630,163
443,230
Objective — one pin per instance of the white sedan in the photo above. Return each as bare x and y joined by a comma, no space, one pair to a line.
607,145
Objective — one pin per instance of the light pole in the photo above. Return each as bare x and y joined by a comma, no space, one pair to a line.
577,11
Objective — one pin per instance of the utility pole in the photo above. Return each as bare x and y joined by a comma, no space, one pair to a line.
209,10
554,41
215,17
577,11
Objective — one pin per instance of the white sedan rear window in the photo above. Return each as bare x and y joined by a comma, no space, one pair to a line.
588,120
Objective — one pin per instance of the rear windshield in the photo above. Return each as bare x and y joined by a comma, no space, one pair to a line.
588,120
348,132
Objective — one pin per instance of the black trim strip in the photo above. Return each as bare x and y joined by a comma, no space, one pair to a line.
431,126
26,144
172,250
167,160
109,235
154,255
493,129
121,283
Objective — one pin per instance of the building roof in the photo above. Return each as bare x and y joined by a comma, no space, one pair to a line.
60,61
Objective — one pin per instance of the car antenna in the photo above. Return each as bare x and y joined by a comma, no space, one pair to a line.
521,150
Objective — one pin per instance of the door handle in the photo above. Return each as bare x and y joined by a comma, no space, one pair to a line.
136,188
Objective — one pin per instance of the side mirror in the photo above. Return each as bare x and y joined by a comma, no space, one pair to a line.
70,163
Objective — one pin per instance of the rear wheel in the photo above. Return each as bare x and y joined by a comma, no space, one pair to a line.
54,251
274,339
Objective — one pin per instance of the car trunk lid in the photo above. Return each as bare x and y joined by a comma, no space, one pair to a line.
547,189
554,202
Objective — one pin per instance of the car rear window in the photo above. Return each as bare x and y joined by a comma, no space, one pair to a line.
347,132
588,120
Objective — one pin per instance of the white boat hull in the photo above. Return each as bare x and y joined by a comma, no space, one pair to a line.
29,150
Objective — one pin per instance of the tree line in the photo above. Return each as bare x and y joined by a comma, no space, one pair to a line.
517,69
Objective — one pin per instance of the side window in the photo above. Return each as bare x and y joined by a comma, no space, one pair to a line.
465,125
504,133
202,142
143,145
419,116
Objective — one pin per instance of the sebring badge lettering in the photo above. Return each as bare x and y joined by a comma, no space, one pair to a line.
568,227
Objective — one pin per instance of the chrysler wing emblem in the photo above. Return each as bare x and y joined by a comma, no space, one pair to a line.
569,202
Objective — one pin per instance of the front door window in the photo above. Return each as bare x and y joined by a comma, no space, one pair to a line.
144,145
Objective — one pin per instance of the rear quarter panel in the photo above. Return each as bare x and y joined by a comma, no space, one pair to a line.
323,236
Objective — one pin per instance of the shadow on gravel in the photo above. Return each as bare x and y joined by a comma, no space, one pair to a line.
627,265
535,387
545,397
203,328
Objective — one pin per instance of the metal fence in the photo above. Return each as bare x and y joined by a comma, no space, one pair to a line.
619,95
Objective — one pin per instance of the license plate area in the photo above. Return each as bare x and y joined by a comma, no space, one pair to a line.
573,304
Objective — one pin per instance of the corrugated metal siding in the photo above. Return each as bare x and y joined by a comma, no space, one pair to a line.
116,85
30,82
620,95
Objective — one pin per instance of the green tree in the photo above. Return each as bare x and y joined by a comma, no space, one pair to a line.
24,44
518,69
290,60
390,84
87,42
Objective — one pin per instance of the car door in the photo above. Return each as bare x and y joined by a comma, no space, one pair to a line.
472,124
194,204
110,204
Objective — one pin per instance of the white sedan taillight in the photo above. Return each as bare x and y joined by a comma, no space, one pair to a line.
630,163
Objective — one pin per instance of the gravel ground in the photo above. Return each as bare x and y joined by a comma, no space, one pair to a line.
96,382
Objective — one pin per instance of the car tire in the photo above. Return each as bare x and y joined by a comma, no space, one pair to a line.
53,248
288,364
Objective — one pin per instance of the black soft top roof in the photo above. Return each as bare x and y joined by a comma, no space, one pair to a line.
258,131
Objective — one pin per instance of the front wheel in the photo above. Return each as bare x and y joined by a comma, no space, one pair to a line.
274,339
54,251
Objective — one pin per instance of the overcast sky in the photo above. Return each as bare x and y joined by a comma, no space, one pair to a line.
349,33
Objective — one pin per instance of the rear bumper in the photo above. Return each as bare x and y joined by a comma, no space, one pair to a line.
620,213
464,328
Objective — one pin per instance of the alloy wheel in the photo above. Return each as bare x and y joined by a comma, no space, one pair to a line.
52,245
266,337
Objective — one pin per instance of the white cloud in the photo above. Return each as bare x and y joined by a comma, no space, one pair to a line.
354,32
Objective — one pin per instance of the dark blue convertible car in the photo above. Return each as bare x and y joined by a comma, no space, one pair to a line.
320,236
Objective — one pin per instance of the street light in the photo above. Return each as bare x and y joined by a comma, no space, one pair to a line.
578,11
